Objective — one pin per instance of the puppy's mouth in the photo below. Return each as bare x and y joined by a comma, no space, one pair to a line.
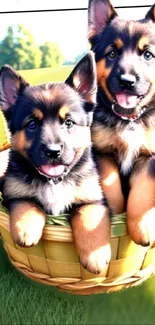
53,171
125,106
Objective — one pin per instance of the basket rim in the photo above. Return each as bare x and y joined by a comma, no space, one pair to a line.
64,233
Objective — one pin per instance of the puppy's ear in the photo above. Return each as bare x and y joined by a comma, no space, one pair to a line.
83,78
100,12
151,13
11,85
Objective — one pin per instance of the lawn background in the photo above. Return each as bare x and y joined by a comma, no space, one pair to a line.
23,302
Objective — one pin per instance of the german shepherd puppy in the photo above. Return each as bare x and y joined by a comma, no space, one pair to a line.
51,168
123,132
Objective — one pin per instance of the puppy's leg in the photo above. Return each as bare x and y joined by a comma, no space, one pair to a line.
141,207
110,183
26,223
91,232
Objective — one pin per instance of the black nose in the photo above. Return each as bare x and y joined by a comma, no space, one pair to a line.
53,150
127,80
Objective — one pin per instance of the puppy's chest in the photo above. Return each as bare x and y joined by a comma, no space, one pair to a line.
128,143
56,199
135,140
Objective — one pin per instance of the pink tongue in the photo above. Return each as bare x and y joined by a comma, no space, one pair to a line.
53,170
126,101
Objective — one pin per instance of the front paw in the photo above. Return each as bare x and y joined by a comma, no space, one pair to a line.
142,231
91,232
96,260
26,235
26,223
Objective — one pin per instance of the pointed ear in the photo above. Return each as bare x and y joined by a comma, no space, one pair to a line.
151,13
83,78
11,84
100,12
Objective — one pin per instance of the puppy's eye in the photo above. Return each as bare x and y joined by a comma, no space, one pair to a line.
31,125
69,123
112,54
147,55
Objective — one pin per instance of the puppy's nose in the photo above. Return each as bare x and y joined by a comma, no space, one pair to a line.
53,150
127,80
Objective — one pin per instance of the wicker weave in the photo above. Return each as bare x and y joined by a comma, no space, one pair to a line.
54,261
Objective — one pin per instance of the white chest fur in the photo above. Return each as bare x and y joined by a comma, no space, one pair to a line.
55,199
127,142
131,144
137,140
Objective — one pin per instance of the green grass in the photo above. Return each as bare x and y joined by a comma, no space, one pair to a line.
131,306
40,76
23,302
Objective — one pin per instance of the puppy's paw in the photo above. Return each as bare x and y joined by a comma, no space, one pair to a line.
91,232
96,260
142,231
26,235
26,223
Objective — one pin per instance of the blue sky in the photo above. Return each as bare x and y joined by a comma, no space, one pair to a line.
68,28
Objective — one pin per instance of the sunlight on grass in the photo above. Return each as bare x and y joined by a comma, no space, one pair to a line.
40,76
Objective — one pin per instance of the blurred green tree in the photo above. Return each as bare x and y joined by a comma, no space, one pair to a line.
7,50
19,50
51,55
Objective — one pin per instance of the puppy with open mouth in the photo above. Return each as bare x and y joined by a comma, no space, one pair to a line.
123,131
51,167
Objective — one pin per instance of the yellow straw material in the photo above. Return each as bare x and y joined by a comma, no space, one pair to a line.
4,133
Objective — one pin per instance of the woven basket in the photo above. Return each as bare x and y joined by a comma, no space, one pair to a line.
54,261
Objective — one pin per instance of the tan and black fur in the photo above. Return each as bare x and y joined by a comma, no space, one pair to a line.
51,168
123,131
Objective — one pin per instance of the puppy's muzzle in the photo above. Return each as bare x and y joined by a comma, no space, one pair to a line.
53,151
127,80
